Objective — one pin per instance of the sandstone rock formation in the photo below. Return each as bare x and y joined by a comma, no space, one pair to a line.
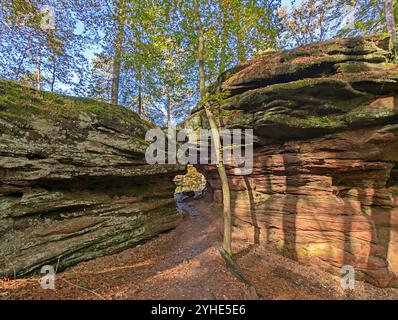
74,184
324,189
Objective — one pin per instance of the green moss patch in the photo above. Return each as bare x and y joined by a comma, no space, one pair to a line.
18,101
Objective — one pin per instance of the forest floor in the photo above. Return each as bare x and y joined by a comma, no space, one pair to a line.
185,264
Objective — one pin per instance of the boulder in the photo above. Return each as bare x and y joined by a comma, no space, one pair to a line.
324,187
74,183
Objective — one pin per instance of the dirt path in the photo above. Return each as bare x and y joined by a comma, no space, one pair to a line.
180,264
184,264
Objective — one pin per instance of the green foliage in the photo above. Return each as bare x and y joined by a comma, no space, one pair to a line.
216,98
158,42
170,45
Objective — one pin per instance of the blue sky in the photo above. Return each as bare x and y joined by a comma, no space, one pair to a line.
287,2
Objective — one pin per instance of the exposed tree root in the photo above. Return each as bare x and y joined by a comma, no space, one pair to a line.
234,269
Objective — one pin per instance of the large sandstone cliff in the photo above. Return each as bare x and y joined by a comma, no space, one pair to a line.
74,184
324,189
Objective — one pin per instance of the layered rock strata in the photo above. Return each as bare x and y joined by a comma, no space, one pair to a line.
324,188
74,183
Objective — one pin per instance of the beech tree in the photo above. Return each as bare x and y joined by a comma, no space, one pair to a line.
100,86
200,50
390,20
226,194
214,131
120,20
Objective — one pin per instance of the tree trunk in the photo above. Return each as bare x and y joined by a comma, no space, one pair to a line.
117,59
25,52
168,102
226,195
53,75
38,67
140,108
224,37
201,50
390,20
215,134
240,45
139,80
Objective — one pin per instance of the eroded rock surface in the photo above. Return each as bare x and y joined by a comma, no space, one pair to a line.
74,184
324,189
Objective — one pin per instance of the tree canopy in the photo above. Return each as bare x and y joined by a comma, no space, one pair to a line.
144,54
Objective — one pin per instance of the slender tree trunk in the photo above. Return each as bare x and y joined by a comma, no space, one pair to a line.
117,59
224,37
53,75
390,20
109,86
139,81
38,67
140,71
240,45
22,61
168,102
201,50
216,135
140,106
226,195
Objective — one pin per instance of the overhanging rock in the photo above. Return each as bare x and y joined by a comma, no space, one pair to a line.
324,188
74,184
